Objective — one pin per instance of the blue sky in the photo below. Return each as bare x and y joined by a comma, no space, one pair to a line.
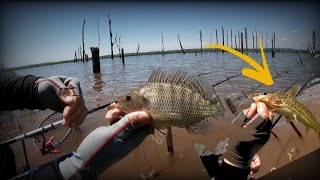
45,32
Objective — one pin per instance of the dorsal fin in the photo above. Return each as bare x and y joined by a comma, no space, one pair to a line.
294,90
192,82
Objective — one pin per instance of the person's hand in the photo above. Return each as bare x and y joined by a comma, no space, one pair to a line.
255,164
62,94
138,118
249,135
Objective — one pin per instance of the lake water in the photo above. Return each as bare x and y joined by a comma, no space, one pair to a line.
117,79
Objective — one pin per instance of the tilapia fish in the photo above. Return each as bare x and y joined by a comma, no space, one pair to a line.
175,99
285,104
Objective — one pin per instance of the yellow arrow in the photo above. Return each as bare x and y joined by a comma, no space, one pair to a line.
261,74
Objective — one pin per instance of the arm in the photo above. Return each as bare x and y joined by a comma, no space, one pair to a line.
17,92
58,93
102,148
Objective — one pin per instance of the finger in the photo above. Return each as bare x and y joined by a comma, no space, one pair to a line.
263,111
67,112
113,114
250,112
78,117
271,115
139,118
74,86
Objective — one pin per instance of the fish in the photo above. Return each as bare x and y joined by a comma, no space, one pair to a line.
174,99
286,104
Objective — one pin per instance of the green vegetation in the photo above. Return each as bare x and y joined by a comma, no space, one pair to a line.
287,50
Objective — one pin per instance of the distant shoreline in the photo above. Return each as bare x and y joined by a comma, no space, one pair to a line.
288,50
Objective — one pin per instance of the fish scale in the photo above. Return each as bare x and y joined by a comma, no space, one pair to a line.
175,99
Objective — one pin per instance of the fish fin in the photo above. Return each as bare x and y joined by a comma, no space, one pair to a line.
192,82
201,127
294,90
159,135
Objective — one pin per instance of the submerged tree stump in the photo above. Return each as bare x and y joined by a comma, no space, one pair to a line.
95,59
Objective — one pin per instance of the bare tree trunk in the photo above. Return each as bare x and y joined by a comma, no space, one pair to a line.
98,33
256,40
75,57
200,41
235,41
122,56
83,50
231,38
239,39
222,38
273,45
314,40
181,45
111,43
241,42
81,54
253,50
227,37
246,38
95,59
138,48
162,46
217,41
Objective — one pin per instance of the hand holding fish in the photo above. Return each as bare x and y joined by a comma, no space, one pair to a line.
138,118
62,94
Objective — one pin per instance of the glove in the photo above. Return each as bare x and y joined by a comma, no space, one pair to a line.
102,148
247,140
52,92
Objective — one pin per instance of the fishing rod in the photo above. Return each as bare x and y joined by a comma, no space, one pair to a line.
45,128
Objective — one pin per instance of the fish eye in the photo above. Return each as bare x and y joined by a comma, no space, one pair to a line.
264,93
128,98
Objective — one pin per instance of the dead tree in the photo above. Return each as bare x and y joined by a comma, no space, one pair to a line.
83,51
256,40
253,50
227,37
241,42
122,56
118,43
75,57
98,33
246,38
181,45
273,45
138,48
239,38
81,59
111,43
235,41
162,45
314,40
222,38
200,41
231,38
217,41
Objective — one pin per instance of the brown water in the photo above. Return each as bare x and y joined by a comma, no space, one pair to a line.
116,79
